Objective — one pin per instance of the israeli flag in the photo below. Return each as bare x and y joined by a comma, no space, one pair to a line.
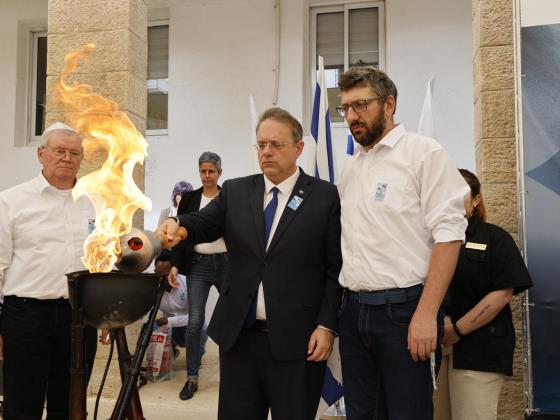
321,128
350,145
324,169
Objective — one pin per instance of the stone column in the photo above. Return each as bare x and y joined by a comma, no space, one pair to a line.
117,69
495,146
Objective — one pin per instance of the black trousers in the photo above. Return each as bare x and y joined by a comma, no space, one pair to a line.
252,382
37,341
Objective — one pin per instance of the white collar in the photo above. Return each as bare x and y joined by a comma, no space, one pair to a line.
390,139
285,186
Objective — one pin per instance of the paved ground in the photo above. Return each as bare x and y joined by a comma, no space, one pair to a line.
160,401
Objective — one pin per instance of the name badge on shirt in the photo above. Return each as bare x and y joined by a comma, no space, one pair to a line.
474,245
91,225
295,202
380,191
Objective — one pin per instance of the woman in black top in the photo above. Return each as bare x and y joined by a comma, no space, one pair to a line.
490,270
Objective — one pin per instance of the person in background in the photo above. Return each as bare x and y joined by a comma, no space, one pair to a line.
42,234
490,270
178,190
205,265
175,308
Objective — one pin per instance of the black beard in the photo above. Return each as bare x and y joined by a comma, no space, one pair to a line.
372,133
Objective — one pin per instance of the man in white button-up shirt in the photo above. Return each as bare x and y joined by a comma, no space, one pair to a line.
402,226
42,232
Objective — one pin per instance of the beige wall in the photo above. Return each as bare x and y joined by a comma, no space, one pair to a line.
495,146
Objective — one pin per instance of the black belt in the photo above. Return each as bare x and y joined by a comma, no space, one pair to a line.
383,297
16,299
260,325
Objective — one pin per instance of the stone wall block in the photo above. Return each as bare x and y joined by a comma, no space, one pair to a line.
475,7
477,74
96,15
136,95
493,67
112,85
138,19
139,123
511,405
477,120
518,357
497,116
52,117
112,52
496,161
496,22
476,28
501,203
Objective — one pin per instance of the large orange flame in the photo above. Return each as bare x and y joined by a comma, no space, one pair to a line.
111,189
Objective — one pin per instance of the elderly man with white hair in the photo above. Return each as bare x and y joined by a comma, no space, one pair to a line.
42,232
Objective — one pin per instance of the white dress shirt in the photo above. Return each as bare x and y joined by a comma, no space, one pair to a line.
174,304
42,235
216,247
284,191
397,200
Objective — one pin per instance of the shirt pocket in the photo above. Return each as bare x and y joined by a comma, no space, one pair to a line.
476,256
385,193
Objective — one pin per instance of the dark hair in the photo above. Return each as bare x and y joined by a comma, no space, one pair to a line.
369,76
179,188
474,183
211,157
163,257
283,116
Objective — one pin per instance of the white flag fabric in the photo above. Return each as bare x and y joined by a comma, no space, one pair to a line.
426,128
324,169
254,120
426,123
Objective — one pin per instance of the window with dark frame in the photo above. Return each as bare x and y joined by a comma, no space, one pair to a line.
345,36
158,82
38,85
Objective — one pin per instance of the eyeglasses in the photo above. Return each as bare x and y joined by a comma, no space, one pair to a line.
273,144
61,153
358,106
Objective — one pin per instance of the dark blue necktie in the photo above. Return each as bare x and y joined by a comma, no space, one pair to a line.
268,214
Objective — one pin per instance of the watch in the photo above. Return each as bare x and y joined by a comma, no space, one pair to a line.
457,331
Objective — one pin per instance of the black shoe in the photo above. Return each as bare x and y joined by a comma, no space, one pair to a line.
142,380
188,390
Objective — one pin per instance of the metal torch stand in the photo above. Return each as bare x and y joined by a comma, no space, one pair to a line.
128,401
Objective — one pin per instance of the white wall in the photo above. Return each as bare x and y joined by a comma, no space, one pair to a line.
433,38
223,50
17,164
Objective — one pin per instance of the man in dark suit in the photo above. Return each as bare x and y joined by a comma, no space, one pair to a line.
276,317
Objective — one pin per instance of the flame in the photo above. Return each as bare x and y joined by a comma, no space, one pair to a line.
111,189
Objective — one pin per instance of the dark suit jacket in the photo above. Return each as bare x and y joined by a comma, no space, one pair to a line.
299,271
182,254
